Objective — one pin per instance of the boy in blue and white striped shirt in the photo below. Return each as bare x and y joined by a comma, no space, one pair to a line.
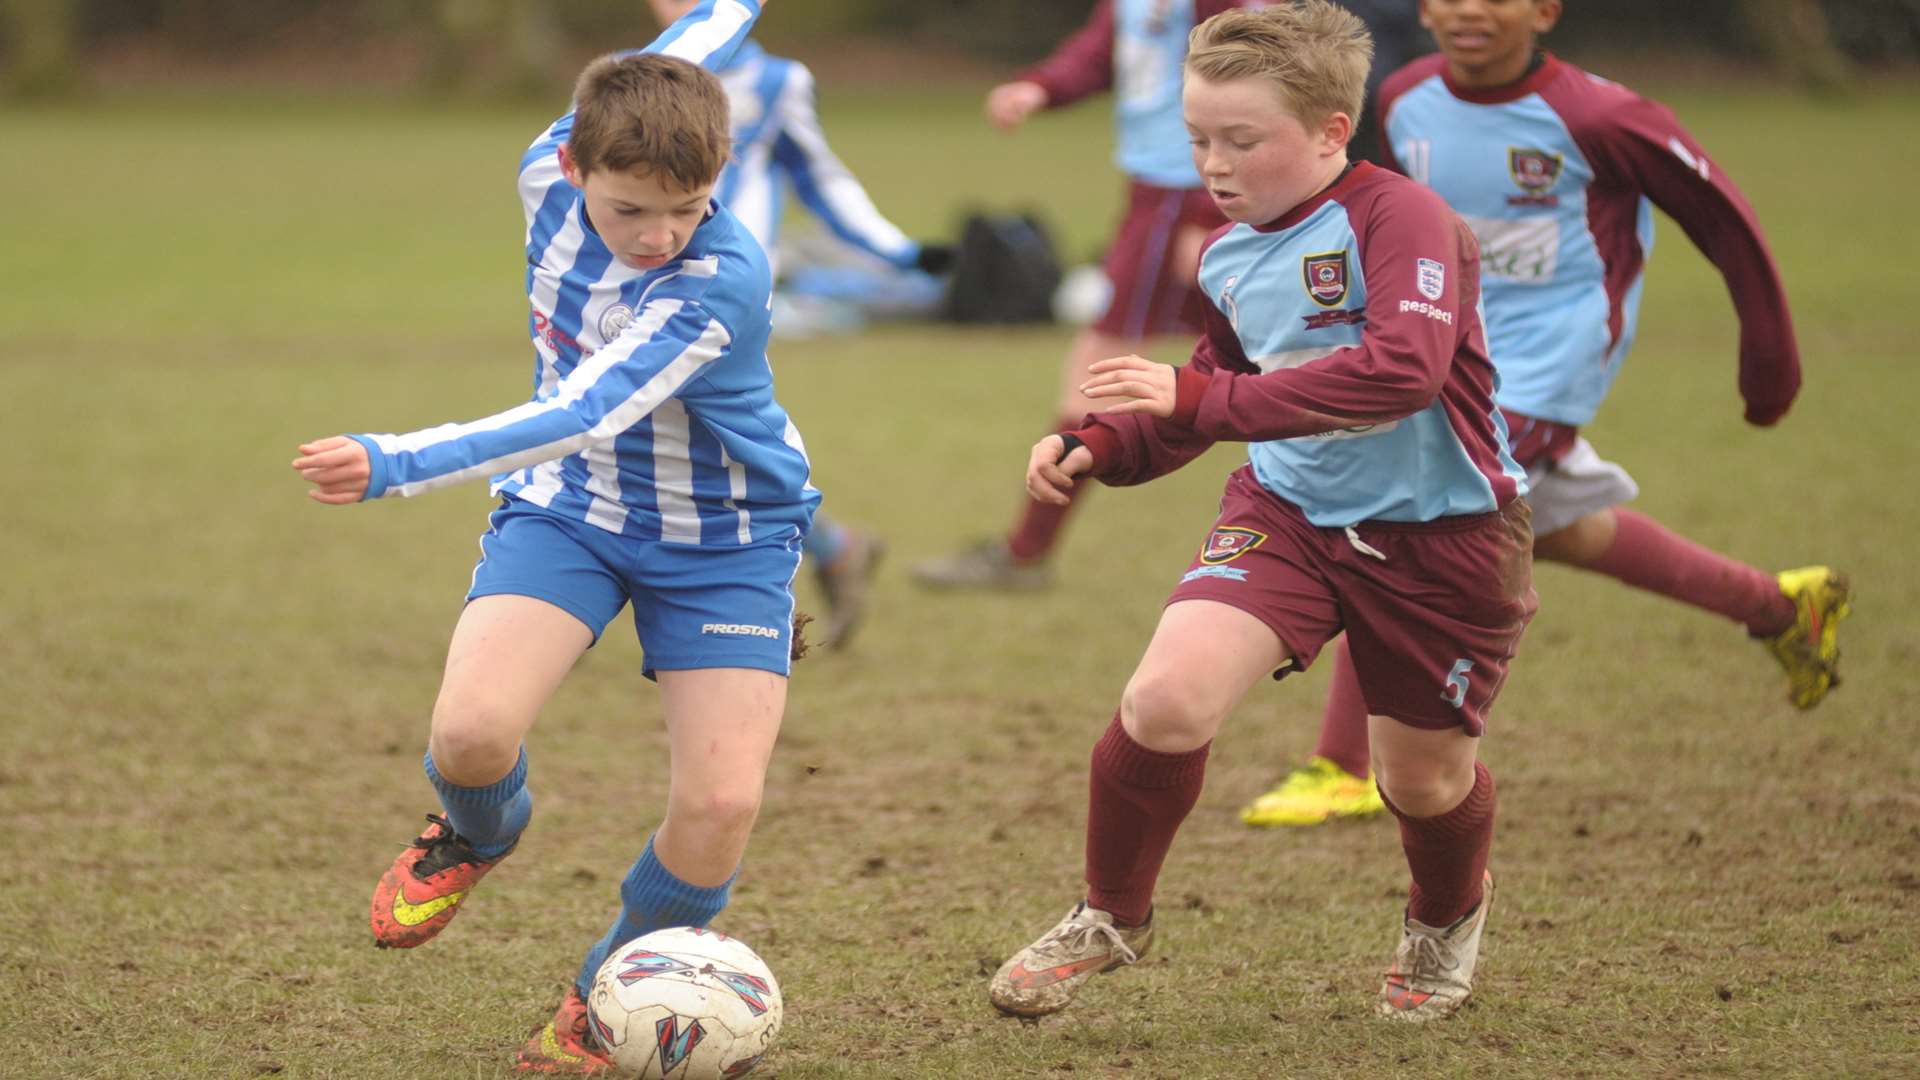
652,465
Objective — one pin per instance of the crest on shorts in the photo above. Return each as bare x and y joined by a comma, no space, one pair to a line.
1326,277
1229,543
1536,171
1430,278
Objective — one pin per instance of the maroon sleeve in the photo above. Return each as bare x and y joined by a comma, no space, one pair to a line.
1133,448
1639,145
1405,353
1081,65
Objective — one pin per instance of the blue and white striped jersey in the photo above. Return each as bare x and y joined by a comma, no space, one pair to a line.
778,143
653,413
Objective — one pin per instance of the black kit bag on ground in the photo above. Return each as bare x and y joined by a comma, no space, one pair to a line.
1005,271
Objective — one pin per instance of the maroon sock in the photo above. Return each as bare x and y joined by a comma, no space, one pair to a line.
1448,854
1343,727
1040,523
1647,555
1138,799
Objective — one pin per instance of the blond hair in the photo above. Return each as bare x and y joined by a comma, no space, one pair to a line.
645,112
1314,52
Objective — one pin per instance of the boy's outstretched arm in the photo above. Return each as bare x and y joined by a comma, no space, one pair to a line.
1643,146
824,183
1080,66
670,342
709,34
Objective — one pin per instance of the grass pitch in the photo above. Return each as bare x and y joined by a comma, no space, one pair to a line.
216,693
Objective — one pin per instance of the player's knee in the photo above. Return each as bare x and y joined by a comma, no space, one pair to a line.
1167,711
718,811
469,733
1421,789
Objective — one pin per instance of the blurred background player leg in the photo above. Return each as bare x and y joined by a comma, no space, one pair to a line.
844,560
1576,498
1152,266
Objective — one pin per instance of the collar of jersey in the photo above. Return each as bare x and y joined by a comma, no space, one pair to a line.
1356,172
1530,83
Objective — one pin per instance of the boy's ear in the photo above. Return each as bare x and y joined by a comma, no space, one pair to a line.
1546,14
1336,130
571,168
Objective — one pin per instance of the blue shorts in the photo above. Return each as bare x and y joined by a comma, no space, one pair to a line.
693,607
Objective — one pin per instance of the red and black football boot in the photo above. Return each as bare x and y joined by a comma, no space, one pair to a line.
564,1047
423,890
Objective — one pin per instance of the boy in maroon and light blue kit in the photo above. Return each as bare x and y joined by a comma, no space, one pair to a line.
1343,343
1557,172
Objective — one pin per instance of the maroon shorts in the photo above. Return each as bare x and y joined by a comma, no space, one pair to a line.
1154,288
1432,617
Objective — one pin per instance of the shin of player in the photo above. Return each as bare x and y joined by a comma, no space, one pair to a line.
1343,345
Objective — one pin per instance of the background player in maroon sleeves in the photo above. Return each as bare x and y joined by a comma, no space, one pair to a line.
1134,48
1343,344
1557,172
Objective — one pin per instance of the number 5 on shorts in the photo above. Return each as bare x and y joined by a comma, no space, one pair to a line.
1457,684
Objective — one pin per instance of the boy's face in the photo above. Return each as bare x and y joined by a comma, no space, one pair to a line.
644,218
1257,160
1488,42
669,11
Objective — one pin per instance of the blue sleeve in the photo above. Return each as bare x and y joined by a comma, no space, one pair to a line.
670,342
825,185
709,34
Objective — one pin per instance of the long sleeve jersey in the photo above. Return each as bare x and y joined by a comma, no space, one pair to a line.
1343,342
1136,48
1557,175
653,413
778,143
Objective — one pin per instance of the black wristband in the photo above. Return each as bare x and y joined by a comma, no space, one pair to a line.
1072,442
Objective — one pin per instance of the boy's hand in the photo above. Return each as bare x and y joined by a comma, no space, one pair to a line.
1049,476
337,467
1009,104
1139,384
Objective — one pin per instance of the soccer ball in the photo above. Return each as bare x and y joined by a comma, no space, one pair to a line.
684,1004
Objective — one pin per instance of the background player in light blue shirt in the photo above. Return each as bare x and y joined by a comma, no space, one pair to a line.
1558,172
653,467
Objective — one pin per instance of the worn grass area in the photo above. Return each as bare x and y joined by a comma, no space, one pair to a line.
215,693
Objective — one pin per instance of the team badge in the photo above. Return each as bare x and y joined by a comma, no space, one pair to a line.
1536,171
1431,278
614,320
1228,544
1326,277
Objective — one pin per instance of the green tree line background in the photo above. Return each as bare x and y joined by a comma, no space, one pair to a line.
45,44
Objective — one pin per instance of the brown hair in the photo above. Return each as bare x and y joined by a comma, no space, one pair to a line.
1314,52
650,113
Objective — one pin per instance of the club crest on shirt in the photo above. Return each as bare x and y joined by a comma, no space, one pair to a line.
1536,171
1229,543
1326,277
614,320
1430,278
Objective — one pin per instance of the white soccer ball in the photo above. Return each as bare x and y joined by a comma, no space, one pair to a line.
1083,296
684,1004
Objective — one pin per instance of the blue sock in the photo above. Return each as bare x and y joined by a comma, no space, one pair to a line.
824,542
490,818
653,899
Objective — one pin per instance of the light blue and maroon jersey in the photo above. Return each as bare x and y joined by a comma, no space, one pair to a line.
1344,343
1136,48
653,413
1558,174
